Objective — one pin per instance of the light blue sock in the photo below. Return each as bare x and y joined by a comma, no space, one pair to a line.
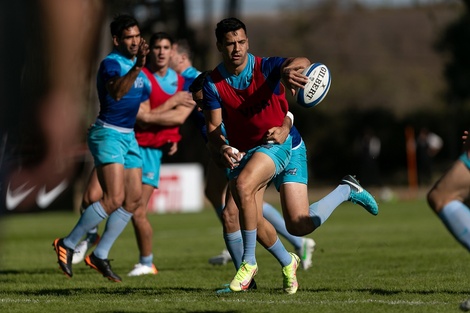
456,216
275,218
322,209
280,253
249,245
146,260
234,244
90,218
116,223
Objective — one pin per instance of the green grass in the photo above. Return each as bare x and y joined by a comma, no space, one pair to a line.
402,260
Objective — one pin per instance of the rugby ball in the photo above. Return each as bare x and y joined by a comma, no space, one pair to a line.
319,81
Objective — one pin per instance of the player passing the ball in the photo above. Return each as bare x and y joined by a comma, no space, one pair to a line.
249,92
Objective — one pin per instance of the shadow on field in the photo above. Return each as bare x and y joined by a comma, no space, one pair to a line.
385,292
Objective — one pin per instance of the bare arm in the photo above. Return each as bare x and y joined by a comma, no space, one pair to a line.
117,87
173,112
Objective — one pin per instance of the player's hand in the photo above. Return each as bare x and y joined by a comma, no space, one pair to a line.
173,148
293,78
276,135
231,156
184,98
142,53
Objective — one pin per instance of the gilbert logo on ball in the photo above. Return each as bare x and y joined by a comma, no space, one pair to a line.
319,81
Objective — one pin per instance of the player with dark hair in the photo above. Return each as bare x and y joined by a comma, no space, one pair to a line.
249,91
111,140
157,132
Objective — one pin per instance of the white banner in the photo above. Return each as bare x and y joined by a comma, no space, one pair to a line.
181,189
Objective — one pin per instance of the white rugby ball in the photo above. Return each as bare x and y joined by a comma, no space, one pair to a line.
319,81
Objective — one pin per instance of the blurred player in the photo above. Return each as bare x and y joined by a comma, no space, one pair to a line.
157,132
44,97
111,140
447,199
249,90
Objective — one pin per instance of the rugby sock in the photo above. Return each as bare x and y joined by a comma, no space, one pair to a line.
90,218
91,234
280,253
234,244
249,245
456,217
115,224
275,218
322,209
146,260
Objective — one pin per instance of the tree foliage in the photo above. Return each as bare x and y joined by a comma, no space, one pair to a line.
455,42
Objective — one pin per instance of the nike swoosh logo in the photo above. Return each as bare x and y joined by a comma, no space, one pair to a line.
359,188
44,199
14,197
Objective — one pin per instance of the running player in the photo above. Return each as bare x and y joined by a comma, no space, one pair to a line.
249,91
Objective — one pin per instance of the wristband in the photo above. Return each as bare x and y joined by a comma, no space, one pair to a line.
291,116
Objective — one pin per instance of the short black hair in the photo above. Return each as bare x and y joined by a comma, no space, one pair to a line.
159,36
122,22
198,82
228,25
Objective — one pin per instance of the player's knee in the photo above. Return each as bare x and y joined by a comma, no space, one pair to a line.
434,200
111,203
245,189
139,214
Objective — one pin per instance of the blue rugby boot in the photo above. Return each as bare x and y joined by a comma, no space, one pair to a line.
359,195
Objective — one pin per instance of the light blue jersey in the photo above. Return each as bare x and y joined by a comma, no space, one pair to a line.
189,76
120,113
169,82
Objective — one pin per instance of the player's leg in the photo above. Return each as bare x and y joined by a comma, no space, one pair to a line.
232,232
269,239
151,164
302,218
446,198
216,186
130,187
215,191
92,194
304,247
111,174
144,234
116,223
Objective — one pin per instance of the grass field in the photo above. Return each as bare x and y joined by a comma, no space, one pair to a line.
402,260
